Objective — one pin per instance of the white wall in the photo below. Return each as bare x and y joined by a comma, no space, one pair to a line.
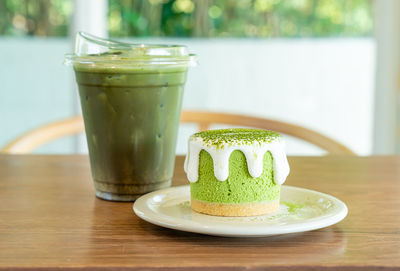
323,84
35,88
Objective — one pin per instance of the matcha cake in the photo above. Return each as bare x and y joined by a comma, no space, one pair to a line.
236,172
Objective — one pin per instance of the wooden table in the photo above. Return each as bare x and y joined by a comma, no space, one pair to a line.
50,219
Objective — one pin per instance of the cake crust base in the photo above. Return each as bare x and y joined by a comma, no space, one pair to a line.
233,209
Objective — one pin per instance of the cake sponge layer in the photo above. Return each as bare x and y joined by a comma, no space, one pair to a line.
240,187
233,209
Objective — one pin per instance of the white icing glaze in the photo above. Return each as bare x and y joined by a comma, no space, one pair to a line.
254,154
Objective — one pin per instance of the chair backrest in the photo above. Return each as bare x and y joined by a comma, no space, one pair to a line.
205,119
33,139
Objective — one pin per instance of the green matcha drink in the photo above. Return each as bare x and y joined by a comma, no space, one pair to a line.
131,98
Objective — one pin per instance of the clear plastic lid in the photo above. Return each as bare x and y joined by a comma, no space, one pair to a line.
90,49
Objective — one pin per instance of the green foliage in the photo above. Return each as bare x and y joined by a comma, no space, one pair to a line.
241,18
198,18
35,17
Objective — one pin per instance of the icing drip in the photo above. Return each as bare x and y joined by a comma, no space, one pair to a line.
254,154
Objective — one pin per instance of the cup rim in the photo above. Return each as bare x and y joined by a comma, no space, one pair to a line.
109,51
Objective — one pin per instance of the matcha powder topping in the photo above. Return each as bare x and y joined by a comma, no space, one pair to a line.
236,136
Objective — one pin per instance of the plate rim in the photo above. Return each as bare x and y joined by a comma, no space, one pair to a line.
140,208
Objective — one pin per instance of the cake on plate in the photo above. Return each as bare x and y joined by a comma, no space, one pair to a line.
236,172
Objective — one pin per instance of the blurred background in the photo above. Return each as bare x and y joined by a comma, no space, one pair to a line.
328,65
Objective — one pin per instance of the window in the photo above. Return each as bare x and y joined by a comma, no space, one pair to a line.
188,18
245,18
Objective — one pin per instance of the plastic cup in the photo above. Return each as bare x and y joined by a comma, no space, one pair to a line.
131,97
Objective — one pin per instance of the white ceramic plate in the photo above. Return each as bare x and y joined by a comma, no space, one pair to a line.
300,210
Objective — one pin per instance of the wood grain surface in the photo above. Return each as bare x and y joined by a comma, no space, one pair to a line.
50,219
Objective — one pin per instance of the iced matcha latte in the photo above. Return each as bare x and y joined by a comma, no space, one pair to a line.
131,99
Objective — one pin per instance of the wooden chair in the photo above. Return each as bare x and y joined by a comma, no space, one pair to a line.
33,139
